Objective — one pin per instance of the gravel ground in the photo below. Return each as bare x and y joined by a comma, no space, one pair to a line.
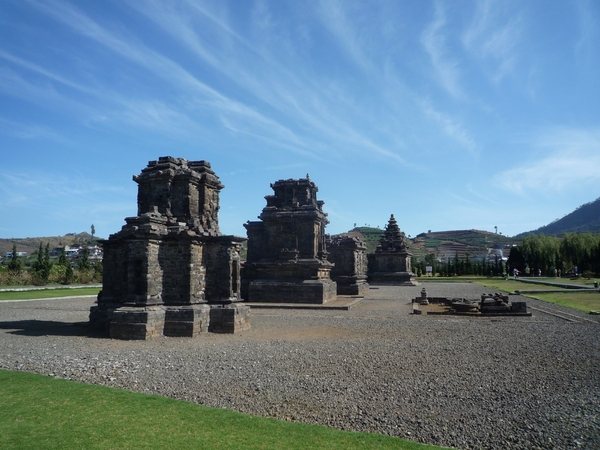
521,382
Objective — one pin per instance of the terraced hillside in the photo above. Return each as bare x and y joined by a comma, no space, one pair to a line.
444,244
31,245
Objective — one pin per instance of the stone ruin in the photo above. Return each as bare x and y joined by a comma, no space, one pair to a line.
287,256
169,271
349,254
391,262
496,304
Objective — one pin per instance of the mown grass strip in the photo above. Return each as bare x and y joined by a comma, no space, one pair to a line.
42,412
581,301
48,293
585,301
511,285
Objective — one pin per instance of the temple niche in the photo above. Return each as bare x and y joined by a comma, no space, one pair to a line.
391,262
287,257
349,256
169,271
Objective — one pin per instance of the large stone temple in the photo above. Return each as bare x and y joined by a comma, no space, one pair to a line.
391,262
169,271
287,257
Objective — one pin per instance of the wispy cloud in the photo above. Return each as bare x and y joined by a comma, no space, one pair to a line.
587,46
161,66
334,16
568,159
434,40
450,126
30,131
72,200
493,35
301,100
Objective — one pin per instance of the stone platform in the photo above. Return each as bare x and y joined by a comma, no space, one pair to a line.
340,304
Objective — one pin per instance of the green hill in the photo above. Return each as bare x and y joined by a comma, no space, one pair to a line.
585,219
370,235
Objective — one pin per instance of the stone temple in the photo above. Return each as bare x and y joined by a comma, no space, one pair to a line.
169,271
349,256
287,256
391,263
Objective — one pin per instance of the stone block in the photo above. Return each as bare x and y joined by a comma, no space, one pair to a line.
293,291
519,307
353,289
186,321
232,318
137,323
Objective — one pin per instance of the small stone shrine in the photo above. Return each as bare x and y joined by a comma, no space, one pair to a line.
349,254
169,271
287,257
390,264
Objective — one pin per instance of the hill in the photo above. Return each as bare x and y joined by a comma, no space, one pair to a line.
444,244
585,219
370,235
31,245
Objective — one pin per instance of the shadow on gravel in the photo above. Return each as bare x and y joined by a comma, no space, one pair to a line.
51,328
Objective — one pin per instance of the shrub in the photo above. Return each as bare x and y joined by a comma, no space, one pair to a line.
588,274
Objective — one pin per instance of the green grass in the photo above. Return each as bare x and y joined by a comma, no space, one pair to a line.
461,279
48,293
582,301
586,301
42,412
511,285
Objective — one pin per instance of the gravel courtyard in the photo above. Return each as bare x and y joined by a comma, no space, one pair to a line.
521,382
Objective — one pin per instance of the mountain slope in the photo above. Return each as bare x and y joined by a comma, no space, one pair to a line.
584,219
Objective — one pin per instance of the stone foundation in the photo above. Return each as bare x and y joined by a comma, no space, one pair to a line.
293,291
232,318
134,323
137,323
360,288
393,278
186,321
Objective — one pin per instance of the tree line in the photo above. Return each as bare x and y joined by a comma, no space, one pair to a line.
459,266
43,270
574,253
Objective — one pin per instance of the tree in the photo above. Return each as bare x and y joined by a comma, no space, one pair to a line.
62,259
468,266
84,261
42,266
93,231
66,263
15,262
69,275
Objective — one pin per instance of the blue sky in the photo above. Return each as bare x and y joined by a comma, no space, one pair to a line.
449,115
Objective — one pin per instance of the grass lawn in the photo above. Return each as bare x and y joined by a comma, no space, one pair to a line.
48,293
461,279
511,285
37,411
586,301
582,301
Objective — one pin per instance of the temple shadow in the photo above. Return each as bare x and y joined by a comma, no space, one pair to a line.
51,328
